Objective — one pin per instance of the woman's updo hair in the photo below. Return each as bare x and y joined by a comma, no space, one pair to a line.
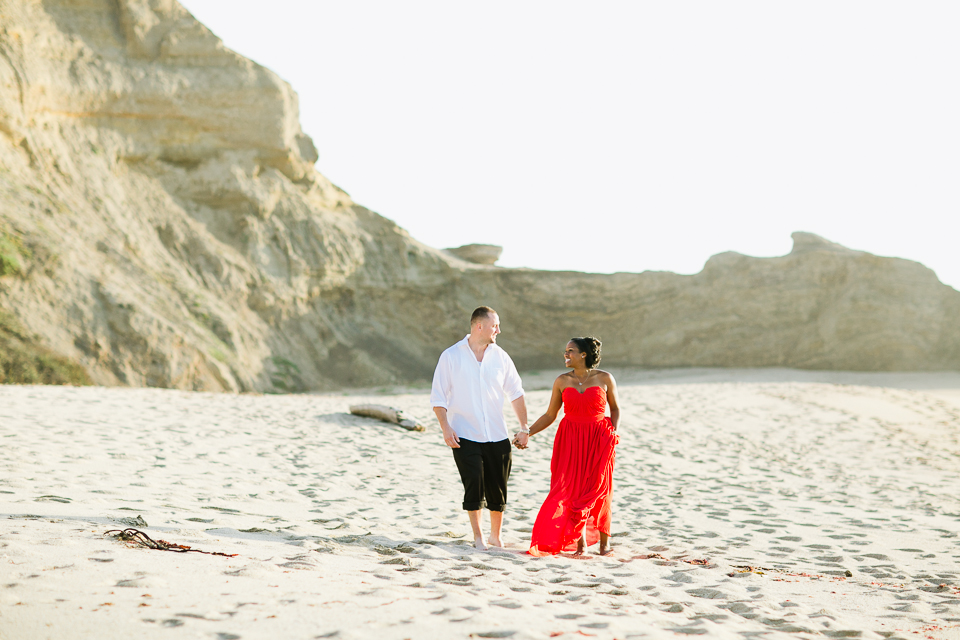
590,348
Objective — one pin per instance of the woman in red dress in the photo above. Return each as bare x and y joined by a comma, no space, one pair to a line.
576,513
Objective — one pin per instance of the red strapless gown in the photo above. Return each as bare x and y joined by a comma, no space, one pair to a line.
581,475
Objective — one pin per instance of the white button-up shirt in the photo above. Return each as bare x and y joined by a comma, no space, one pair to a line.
472,392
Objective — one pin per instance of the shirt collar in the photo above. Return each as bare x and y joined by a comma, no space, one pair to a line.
466,345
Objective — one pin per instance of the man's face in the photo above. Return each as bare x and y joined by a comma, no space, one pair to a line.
488,328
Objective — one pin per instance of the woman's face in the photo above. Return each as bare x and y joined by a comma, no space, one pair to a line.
572,357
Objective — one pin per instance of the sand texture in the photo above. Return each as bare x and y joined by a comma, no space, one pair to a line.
823,509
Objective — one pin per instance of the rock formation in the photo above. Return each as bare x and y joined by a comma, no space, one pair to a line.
162,224
478,253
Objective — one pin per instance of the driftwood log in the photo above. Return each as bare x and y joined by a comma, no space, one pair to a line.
387,414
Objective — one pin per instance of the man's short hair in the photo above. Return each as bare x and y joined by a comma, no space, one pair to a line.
480,313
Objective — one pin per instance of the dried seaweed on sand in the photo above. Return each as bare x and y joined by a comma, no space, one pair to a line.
139,538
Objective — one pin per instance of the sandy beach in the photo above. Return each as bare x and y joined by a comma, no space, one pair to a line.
747,503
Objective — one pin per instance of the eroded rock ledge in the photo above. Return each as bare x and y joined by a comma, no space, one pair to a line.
487,254
162,224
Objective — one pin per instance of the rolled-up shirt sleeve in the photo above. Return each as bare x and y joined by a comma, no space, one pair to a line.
439,393
512,384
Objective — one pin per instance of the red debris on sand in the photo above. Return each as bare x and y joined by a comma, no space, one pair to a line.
657,556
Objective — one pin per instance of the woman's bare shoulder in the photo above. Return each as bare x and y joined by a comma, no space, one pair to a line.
563,381
605,376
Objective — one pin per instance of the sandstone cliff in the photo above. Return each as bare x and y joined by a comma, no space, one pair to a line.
162,224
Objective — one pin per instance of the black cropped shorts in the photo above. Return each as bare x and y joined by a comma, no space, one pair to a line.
484,468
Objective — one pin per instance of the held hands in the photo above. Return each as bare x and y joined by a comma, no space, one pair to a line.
521,440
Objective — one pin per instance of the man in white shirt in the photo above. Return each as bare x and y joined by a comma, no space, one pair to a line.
469,385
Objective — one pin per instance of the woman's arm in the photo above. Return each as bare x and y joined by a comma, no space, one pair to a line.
544,421
612,400
556,401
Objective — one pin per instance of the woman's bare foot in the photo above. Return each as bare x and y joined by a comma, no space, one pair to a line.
604,544
479,543
495,542
581,546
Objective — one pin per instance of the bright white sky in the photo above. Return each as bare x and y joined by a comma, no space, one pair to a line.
629,135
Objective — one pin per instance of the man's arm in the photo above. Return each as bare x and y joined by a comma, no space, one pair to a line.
520,408
449,435
439,398
513,387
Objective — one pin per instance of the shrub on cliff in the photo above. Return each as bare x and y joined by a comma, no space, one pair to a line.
24,361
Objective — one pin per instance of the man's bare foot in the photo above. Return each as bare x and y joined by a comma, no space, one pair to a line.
479,543
495,542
